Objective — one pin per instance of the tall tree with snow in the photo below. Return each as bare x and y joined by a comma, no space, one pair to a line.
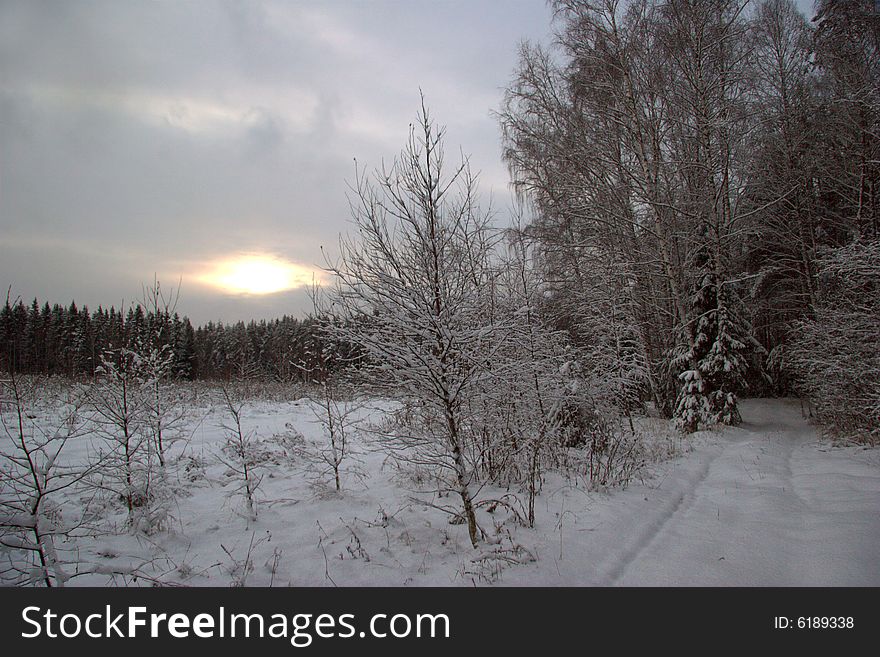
410,294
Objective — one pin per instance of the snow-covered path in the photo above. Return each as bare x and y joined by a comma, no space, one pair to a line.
763,504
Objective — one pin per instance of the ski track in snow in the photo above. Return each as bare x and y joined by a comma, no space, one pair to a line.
645,538
769,506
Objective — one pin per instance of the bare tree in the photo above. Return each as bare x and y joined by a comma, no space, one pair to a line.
783,163
31,475
587,131
409,292
334,406
529,370
240,453
846,51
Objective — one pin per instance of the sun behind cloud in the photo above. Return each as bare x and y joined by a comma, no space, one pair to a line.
257,274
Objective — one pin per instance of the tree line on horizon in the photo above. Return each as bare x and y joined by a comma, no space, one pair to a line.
71,341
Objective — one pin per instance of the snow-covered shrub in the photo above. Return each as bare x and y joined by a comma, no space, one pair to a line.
327,370
834,355
131,468
579,422
165,409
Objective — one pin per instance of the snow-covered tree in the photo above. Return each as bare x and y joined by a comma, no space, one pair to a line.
833,354
131,470
33,529
527,391
712,367
240,453
409,292
158,364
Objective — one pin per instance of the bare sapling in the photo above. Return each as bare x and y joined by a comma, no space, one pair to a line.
119,401
32,475
240,453
334,410
164,412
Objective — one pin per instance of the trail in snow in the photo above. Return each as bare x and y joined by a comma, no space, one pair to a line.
766,503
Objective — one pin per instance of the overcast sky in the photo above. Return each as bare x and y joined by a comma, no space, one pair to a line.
162,137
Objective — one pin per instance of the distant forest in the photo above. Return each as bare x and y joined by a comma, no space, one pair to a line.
71,341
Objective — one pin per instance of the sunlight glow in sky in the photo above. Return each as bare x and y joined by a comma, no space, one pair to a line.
213,142
257,274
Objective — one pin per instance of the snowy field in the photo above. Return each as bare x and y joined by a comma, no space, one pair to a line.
766,503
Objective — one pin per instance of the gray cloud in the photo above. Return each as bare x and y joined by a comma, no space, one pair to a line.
140,137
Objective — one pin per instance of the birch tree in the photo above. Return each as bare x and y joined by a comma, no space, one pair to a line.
629,139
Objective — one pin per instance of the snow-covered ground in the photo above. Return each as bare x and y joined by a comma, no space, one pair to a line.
763,504
766,503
